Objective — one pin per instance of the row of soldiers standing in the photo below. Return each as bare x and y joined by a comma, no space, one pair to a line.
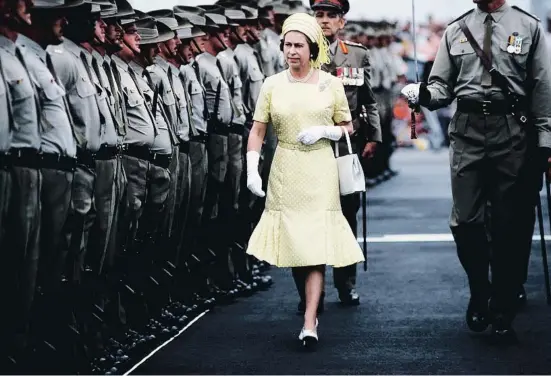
388,73
123,206
121,155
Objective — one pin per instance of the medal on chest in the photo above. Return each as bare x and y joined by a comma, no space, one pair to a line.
351,76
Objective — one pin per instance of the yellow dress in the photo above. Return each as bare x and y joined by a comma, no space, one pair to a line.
302,223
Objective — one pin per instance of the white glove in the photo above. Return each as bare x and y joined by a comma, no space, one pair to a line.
254,181
411,92
313,134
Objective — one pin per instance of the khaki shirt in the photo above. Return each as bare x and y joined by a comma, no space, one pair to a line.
57,133
114,97
5,112
81,94
197,96
212,78
141,124
272,57
159,74
163,142
457,70
22,98
104,100
251,74
230,71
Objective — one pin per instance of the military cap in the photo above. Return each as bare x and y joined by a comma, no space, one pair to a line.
123,10
195,15
57,4
216,14
342,6
166,16
109,10
152,31
187,30
250,13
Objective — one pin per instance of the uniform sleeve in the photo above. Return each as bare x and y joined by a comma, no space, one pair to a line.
341,111
367,99
541,88
442,77
263,104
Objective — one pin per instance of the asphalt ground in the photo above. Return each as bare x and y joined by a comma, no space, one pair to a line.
413,300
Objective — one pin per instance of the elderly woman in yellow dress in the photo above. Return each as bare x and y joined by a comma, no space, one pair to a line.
302,225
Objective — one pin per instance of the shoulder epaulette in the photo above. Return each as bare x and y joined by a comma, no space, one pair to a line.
350,43
525,12
463,15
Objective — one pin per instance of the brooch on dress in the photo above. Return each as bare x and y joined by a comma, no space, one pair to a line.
324,85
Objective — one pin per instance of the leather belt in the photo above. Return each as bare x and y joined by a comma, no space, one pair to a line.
108,152
218,128
202,137
145,153
24,157
184,147
488,107
161,160
58,162
86,158
238,129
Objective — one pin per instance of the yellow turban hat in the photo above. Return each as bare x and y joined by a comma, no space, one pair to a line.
307,25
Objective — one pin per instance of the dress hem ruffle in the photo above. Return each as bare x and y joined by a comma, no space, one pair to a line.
338,247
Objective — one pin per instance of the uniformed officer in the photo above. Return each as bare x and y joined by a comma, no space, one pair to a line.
218,100
6,128
499,114
168,61
58,161
146,157
188,51
163,78
19,265
350,62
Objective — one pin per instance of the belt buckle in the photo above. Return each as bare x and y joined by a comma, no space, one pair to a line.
485,109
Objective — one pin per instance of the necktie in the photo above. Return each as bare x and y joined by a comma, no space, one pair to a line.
92,82
121,131
105,86
79,139
178,108
135,79
486,76
189,109
156,91
219,66
120,97
8,98
206,114
35,92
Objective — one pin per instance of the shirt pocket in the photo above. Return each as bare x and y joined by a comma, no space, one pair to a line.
85,88
20,89
52,91
255,74
132,98
463,54
513,64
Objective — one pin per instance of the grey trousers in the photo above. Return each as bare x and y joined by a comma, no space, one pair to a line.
20,256
486,157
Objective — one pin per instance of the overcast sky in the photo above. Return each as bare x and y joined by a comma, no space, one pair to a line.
369,9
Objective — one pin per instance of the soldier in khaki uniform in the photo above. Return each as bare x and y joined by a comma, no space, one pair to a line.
20,257
491,135
350,62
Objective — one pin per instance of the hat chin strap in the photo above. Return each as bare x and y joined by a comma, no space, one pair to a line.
222,42
234,32
197,46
